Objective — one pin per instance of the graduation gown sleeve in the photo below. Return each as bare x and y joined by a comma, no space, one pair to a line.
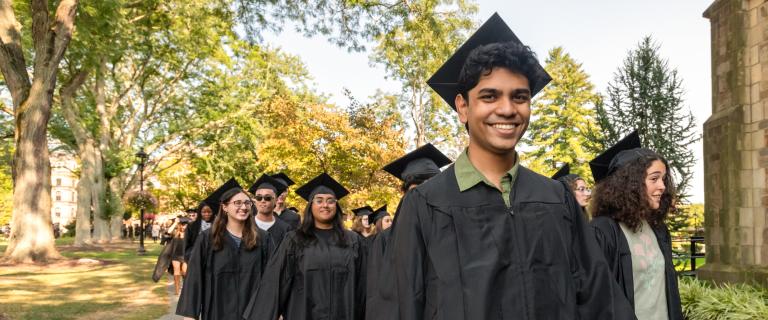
593,277
194,291
410,258
274,292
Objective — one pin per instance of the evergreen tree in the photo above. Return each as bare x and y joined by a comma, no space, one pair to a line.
647,95
563,114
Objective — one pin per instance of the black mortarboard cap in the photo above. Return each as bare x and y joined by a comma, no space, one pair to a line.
378,214
605,163
425,160
283,178
363,211
564,171
445,79
214,200
267,182
322,184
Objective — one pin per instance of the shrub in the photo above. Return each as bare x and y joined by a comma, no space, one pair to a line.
705,301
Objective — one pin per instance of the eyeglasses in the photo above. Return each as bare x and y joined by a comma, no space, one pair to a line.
584,189
239,203
320,201
265,198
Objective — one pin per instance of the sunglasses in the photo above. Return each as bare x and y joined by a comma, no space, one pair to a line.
265,198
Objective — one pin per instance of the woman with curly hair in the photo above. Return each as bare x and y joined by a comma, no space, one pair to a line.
633,195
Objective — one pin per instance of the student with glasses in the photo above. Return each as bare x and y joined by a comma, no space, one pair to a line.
265,191
226,263
319,270
577,185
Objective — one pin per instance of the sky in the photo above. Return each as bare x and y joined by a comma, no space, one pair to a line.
596,33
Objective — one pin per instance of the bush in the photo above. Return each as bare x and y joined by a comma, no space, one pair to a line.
70,229
705,301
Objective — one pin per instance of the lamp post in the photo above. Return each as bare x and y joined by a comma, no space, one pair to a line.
142,161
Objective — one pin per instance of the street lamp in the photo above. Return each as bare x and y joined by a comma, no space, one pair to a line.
142,162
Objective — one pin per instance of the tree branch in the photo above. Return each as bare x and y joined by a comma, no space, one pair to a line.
12,63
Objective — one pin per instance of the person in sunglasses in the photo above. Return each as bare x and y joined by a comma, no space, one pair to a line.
226,263
265,191
319,270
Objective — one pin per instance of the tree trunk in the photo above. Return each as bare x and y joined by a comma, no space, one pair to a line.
85,146
31,230
84,198
117,207
101,229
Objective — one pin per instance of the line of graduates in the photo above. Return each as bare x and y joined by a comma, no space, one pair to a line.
485,238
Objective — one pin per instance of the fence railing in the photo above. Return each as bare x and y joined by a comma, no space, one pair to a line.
685,259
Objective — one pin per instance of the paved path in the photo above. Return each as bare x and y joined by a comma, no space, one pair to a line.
173,299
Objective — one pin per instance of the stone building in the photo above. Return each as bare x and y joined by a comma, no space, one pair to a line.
63,188
736,143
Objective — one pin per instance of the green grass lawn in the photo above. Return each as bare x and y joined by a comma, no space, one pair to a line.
120,287
685,263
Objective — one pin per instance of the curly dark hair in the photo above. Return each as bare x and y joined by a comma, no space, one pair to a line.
510,55
622,195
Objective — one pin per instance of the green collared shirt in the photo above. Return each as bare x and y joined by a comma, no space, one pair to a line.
467,176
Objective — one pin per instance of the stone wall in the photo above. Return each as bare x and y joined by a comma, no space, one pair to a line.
735,140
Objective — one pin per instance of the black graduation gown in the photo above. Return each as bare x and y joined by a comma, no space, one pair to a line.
466,255
616,249
190,235
291,218
163,263
320,281
276,234
219,284
380,283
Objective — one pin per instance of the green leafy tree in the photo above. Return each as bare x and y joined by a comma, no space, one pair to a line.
562,115
411,50
647,95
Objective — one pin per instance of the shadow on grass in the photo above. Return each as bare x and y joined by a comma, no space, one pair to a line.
118,286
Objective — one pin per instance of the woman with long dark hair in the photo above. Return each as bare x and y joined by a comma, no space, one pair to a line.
633,195
226,263
319,270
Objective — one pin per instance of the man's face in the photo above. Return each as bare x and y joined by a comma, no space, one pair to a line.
497,111
265,201
192,215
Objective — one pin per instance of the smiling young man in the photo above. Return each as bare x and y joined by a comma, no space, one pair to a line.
487,238
265,191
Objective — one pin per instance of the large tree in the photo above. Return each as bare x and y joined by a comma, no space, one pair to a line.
564,114
414,48
31,232
131,84
647,95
